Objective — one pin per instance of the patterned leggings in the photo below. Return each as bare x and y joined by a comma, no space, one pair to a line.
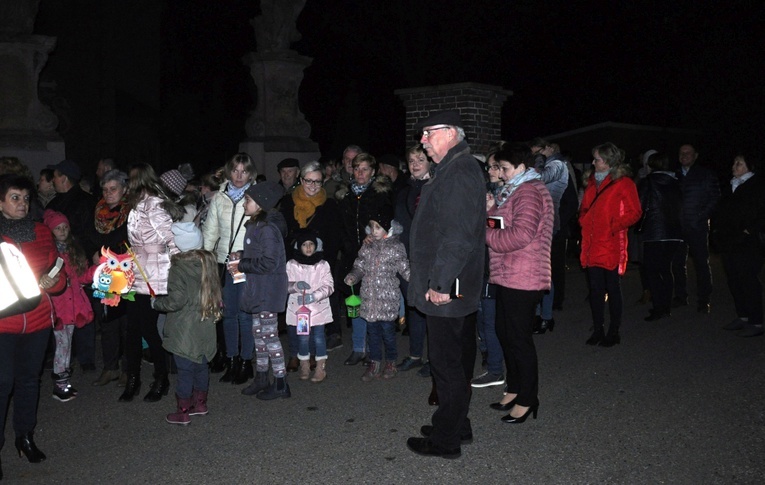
63,354
267,343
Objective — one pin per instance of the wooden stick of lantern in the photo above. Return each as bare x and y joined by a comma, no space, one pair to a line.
140,269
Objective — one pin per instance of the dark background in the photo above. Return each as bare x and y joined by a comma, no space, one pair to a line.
163,81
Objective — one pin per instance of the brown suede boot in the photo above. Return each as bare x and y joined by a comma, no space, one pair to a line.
321,371
305,370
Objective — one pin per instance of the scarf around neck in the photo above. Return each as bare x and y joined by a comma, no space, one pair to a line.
360,189
236,194
507,190
305,207
107,219
736,181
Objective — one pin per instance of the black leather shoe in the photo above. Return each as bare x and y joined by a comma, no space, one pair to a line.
502,407
355,358
218,364
159,388
544,326
465,439
245,372
424,447
610,340
25,445
657,315
232,367
513,420
132,388
595,338
704,308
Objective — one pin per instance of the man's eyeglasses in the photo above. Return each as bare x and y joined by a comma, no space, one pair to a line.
429,132
312,182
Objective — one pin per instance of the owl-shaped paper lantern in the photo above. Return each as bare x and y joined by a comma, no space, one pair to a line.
116,271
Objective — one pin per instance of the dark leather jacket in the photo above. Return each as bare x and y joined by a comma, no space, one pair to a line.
661,201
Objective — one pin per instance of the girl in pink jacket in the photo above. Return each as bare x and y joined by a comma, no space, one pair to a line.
72,306
310,284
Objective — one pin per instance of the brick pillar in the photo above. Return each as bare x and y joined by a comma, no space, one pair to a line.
479,105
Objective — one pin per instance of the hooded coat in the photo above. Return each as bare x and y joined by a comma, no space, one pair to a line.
265,264
223,229
186,334
607,211
319,277
151,238
376,267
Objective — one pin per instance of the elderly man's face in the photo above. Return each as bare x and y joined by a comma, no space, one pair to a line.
60,182
437,140
348,157
288,176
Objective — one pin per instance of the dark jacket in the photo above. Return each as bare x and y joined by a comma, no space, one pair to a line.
406,203
80,208
447,235
661,201
356,210
325,222
700,195
739,217
265,264
185,333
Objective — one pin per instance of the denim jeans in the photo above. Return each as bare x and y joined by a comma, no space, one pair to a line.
237,325
315,343
359,335
487,320
293,340
545,307
191,377
21,361
379,333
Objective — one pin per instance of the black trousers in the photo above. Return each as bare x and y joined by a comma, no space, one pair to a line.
604,281
558,267
695,243
451,351
515,330
657,267
742,269
142,322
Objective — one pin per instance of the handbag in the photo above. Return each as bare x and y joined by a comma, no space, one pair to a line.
19,290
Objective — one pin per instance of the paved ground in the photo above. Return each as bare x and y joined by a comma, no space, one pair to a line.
679,401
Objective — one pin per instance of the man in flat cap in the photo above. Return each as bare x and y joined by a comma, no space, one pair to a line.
288,169
447,246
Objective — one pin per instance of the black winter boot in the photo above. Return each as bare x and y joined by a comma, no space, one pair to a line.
159,388
245,372
132,388
232,367
279,388
260,383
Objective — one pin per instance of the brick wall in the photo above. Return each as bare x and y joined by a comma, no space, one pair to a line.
479,105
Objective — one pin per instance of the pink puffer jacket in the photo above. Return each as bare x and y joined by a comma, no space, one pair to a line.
151,237
319,277
519,254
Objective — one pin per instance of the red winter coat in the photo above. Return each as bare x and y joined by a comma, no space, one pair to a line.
519,254
72,306
606,213
41,254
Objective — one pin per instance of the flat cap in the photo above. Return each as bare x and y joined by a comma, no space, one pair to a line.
287,163
68,168
450,117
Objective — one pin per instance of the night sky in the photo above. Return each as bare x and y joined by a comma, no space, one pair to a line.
682,64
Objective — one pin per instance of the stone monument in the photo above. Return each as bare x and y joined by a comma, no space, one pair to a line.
27,127
276,128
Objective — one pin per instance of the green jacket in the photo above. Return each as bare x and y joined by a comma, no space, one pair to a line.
186,334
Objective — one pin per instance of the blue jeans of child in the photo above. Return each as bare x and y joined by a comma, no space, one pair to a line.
293,341
359,335
379,333
237,325
316,340
191,377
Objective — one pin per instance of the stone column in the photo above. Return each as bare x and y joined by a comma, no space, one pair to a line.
479,105
276,128
27,127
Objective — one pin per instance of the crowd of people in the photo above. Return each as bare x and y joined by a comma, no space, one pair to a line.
468,250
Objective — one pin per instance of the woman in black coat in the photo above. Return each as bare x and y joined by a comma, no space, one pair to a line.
737,223
661,201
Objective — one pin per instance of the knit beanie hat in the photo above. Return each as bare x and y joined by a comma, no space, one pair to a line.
53,219
383,216
187,236
174,181
266,194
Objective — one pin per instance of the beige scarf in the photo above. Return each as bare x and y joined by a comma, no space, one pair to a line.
305,206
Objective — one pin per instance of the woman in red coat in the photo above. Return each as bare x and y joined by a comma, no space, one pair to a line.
609,207
24,336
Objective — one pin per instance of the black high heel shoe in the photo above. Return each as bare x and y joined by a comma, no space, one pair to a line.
513,420
544,326
502,407
25,445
